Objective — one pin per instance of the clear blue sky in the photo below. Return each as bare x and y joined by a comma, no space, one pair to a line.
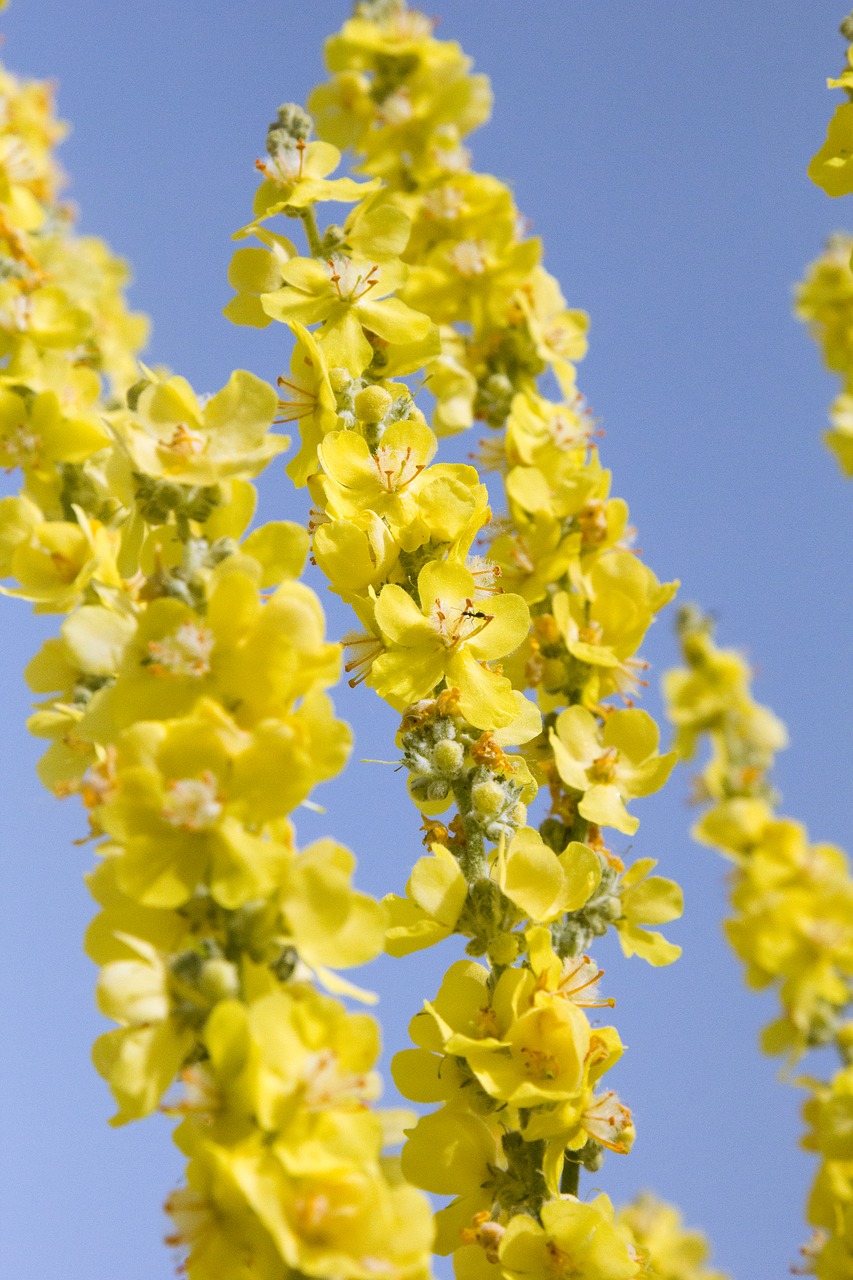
660,149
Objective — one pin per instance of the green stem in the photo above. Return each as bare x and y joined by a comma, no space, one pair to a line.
570,1178
472,859
309,222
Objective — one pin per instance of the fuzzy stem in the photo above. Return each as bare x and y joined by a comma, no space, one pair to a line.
309,222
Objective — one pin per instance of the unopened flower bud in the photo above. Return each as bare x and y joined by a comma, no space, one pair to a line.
372,404
334,238
133,393
218,980
202,502
503,949
487,797
340,380
293,124
448,756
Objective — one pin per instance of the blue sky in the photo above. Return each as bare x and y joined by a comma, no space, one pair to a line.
660,150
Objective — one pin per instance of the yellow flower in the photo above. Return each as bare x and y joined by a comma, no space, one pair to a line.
648,900
259,657
543,884
254,271
575,1240
831,168
55,560
141,1058
171,435
452,1152
435,895
386,480
37,436
450,637
348,294
307,398
182,796
215,1231
297,175
674,1251
609,765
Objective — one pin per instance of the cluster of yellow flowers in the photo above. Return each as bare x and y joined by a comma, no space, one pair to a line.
824,299
432,277
792,909
184,699
184,702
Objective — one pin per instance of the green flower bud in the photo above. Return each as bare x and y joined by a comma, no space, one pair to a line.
284,966
78,490
293,124
202,502
372,404
219,980
158,498
378,10
846,27
494,397
488,798
448,756
334,239
503,949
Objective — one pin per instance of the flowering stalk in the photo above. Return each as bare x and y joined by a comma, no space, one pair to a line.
792,908
432,275
825,297
185,705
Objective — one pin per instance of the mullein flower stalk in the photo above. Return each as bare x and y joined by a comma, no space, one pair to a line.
503,661
823,298
791,920
184,702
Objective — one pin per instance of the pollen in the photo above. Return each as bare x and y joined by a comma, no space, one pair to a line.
20,448
603,768
485,1232
193,803
469,258
350,280
184,443
186,653
396,468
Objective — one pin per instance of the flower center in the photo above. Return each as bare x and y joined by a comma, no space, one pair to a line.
297,402
486,1233
609,1122
193,803
455,625
603,769
184,443
579,982
592,521
468,257
397,108
566,431
538,1064
326,1085
284,166
192,1216
186,653
444,203
350,279
19,448
561,1265
396,467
